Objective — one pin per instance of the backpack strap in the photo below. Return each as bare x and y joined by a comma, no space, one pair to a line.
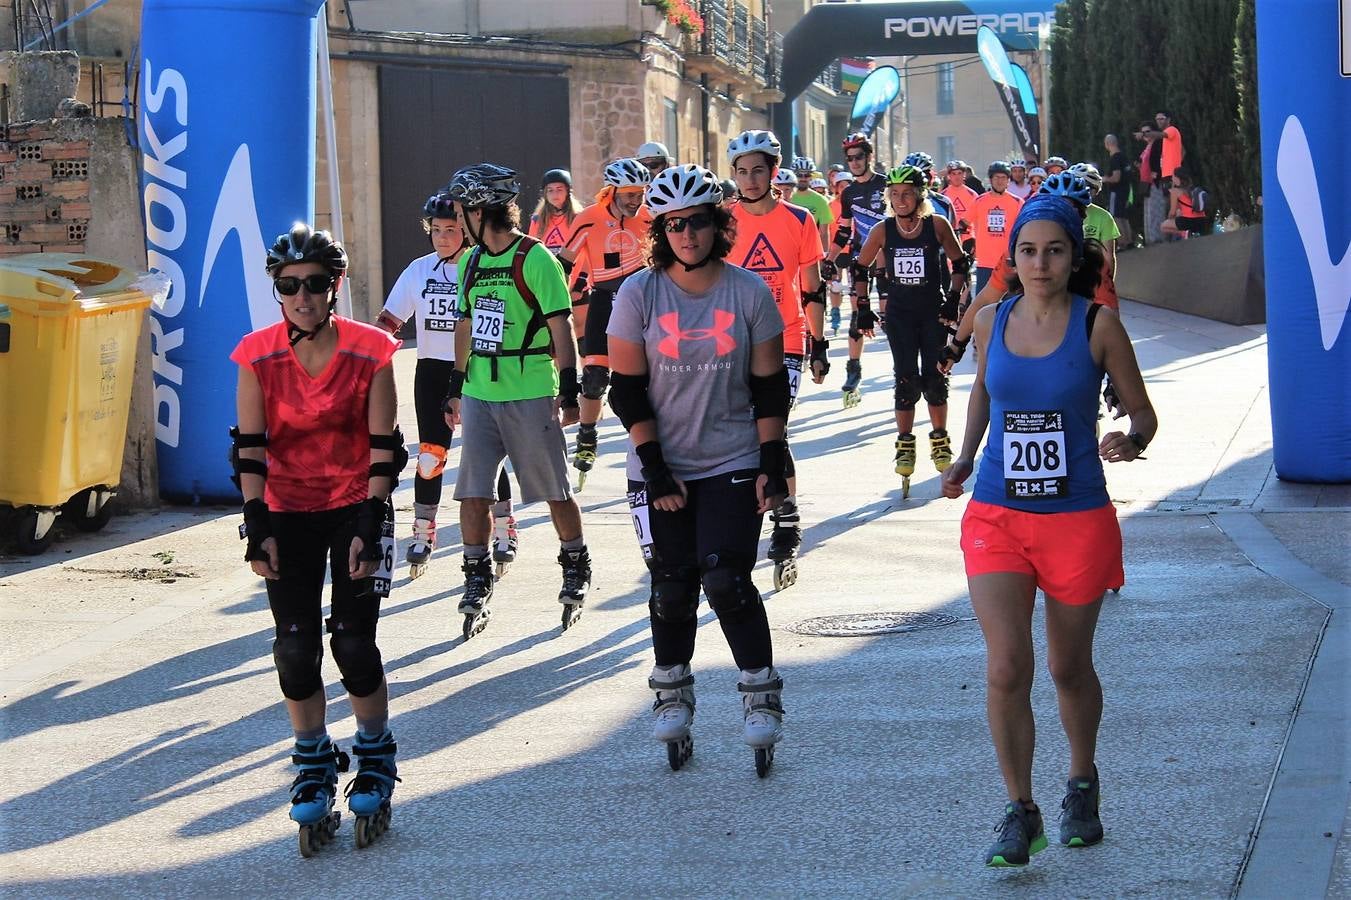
1093,309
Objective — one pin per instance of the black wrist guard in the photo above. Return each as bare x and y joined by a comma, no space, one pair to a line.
867,319
568,388
842,236
370,523
774,465
962,265
657,475
454,389
948,308
257,528
820,347
828,270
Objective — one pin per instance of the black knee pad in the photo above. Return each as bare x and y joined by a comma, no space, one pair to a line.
790,468
727,582
595,379
908,392
935,388
675,594
298,653
353,644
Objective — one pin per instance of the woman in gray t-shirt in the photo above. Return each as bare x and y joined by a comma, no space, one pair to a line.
696,350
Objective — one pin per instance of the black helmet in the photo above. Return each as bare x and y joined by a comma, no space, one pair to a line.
728,189
998,167
484,184
303,244
557,176
438,206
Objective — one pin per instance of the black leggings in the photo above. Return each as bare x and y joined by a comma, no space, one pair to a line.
307,544
916,332
431,379
719,528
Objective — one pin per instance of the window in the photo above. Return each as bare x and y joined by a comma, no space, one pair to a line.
672,128
947,150
946,89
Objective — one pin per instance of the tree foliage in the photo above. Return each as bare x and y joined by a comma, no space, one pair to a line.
1115,63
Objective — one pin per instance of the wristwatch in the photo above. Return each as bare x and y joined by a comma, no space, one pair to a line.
1138,440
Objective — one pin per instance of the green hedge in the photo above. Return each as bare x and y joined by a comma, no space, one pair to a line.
1115,63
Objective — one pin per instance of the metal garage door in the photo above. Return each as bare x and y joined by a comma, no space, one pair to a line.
432,121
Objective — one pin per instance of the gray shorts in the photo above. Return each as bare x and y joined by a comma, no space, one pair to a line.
525,431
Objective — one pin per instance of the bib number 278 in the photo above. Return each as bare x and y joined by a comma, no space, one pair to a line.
489,324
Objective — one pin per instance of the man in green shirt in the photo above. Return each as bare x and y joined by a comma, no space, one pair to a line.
804,167
505,391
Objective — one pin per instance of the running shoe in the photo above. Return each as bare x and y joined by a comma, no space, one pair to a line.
1021,834
1079,822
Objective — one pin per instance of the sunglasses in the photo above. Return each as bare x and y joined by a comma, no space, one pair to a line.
289,285
855,157
698,221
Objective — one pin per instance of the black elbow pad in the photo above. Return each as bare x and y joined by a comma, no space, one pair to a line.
769,395
629,399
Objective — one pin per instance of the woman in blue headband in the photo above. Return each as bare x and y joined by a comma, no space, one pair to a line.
1040,515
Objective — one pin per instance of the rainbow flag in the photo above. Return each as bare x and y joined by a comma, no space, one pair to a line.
852,73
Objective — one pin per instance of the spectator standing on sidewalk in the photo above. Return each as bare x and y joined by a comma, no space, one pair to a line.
1117,182
1151,177
1173,152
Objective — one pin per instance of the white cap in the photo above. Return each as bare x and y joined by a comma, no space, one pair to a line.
652,149
819,183
837,177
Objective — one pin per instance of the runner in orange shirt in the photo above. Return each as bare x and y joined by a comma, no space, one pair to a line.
992,214
608,240
780,242
960,196
551,225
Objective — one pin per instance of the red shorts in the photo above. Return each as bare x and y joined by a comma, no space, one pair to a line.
1075,556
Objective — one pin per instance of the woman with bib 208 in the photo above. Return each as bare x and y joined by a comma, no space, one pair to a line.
1040,515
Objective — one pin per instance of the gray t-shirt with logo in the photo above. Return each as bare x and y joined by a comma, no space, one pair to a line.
698,349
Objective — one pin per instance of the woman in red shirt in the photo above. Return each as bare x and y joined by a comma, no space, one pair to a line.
317,455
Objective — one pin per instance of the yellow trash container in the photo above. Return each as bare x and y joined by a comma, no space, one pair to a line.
68,331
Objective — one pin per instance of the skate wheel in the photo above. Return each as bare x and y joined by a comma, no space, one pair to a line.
308,841
499,571
364,832
416,570
571,613
475,622
764,758
679,752
905,487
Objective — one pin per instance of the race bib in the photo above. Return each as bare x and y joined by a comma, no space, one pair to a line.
440,298
490,321
794,366
994,222
1034,456
384,573
642,520
907,265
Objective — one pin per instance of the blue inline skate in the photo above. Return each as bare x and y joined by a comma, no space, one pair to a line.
369,792
314,792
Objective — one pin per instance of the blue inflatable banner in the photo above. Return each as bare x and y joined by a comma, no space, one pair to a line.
877,92
1304,83
227,162
1002,72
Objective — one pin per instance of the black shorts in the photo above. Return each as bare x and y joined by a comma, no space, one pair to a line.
597,321
720,520
1196,225
308,544
431,380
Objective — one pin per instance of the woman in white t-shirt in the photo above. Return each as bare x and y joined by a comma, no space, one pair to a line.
429,289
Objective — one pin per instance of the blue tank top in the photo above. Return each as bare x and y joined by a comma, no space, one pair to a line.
1042,451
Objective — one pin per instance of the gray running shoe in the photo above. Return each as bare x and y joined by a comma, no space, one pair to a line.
1079,822
1021,834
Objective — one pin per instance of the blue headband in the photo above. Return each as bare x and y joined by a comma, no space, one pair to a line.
1050,208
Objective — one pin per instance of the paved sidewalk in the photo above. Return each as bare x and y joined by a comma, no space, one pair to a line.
146,751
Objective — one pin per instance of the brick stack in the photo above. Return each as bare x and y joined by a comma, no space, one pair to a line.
44,190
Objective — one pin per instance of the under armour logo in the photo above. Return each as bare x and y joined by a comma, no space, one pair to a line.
1299,181
723,342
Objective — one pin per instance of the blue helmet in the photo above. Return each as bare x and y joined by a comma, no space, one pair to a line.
1068,185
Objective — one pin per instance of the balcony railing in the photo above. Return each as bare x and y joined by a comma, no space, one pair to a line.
830,77
760,51
741,37
736,48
